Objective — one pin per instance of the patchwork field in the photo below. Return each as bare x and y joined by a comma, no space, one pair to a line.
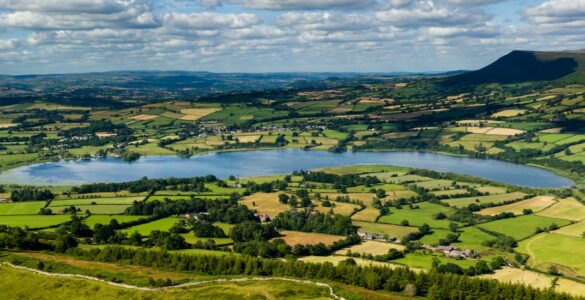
370,247
102,219
536,204
266,203
389,229
34,221
545,249
145,229
21,208
568,208
308,238
417,217
576,230
495,199
522,227
193,114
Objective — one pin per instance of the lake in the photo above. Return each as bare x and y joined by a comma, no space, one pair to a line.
268,162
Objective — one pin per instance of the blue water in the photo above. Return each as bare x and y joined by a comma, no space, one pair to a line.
267,162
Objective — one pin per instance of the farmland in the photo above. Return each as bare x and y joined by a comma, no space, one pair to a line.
283,223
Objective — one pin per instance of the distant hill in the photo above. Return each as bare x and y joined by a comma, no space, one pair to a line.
522,66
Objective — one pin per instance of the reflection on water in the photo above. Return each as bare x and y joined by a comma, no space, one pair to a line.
266,162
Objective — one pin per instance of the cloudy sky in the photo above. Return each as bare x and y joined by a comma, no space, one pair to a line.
62,36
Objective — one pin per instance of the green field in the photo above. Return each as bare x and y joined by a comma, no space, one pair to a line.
21,208
389,229
523,226
145,229
100,201
494,199
417,217
21,284
103,219
550,248
34,221
101,209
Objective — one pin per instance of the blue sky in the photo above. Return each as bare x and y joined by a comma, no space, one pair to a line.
64,36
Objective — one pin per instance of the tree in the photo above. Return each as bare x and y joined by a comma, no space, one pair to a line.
453,227
283,198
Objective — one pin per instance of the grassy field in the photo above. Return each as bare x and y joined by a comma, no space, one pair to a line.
308,238
100,201
102,219
97,209
550,248
472,238
368,214
522,227
536,204
389,229
21,208
576,230
265,203
145,229
495,199
19,284
370,247
34,221
537,280
417,217
339,208
568,208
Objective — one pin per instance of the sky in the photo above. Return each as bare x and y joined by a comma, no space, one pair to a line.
76,36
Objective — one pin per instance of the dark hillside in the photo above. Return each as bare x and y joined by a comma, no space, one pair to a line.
522,66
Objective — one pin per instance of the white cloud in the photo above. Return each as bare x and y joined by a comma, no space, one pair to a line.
293,4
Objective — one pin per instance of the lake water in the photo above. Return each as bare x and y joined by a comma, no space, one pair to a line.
268,162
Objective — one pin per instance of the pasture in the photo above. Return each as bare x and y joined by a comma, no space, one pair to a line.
494,199
576,230
266,203
418,216
145,229
103,219
536,204
385,229
368,214
308,238
370,247
34,221
550,248
522,227
21,208
568,208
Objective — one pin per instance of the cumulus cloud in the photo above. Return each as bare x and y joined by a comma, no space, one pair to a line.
73,16
293,4
427,13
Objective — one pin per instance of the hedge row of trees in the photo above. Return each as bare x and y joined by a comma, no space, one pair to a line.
433,285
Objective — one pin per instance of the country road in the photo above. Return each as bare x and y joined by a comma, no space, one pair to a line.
188,284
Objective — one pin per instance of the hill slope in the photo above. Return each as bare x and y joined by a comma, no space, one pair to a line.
522,66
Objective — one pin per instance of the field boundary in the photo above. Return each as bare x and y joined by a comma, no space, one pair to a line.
188,284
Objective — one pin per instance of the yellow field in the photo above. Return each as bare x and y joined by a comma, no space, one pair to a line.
369,214
492,190
537,280
308,238
509,113
568,208
337,259
8,125
576,229
193,114
144,117
266,203
535,204
505,131
247,138
494,131
365,197
370,247
340,208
